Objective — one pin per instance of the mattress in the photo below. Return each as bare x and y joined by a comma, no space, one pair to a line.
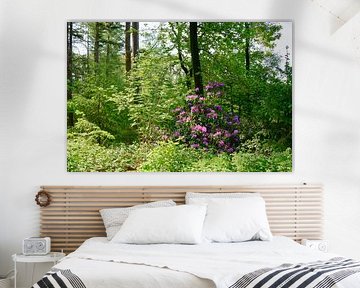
99,263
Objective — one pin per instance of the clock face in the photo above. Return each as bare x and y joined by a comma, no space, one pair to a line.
36,246
40,245
322,247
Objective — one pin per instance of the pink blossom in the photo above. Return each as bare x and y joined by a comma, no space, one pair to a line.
212,115
218,133
192,97
194,109
199,128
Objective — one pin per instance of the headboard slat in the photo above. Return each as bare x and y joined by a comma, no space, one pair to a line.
73,216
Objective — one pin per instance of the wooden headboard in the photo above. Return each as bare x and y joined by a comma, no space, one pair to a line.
73,214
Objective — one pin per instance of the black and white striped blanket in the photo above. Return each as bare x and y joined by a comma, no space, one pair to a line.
319,274
57,278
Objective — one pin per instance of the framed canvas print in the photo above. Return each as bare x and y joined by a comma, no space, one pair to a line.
179,96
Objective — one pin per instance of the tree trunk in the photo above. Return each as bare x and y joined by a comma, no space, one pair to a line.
195,58
127,47
88,48
135,37
96,44
247,46
70,115
107,68
96,50
180,56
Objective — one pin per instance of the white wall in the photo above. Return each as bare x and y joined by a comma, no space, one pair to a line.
32,116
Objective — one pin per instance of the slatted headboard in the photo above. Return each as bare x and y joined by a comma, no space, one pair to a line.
73,215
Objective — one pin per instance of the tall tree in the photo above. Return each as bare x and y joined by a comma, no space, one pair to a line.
176,30
70,115
247,46
127,46
195,58
97,50
97,43
108,44
135,38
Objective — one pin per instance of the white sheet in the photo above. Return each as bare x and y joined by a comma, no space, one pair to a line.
100,263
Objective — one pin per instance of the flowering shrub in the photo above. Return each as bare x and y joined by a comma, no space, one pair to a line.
203,124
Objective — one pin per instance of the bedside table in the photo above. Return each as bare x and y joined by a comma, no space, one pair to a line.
53,257
320,245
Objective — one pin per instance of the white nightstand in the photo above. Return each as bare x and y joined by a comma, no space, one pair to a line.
320,245
53,257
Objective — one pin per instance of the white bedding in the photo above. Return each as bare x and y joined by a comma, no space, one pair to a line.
100,263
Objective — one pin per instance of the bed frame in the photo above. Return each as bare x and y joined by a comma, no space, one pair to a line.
73,214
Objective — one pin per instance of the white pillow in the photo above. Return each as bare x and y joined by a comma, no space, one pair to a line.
236,220
180,224
197,198
113,218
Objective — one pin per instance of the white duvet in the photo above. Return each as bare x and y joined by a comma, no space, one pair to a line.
100,263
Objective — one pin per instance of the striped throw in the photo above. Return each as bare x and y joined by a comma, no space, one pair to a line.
319,274
57,278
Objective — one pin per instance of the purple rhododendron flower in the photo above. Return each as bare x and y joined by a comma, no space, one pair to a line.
205,124
194,109
209,86
236,119
212,115
192,97
216,134
199,128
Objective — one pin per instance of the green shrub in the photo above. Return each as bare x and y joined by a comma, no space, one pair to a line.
169,157
213,163
274,162
85,155
85,129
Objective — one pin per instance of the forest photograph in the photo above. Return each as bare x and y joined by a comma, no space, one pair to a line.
179,96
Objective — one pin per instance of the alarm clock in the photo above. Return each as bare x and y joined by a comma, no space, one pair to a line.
36,246
320,245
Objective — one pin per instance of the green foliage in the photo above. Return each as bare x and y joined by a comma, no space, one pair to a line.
153,92
275,162
169,157
83,155
213,163
98,104
90,131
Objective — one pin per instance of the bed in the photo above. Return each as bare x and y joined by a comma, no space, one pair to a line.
292,210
